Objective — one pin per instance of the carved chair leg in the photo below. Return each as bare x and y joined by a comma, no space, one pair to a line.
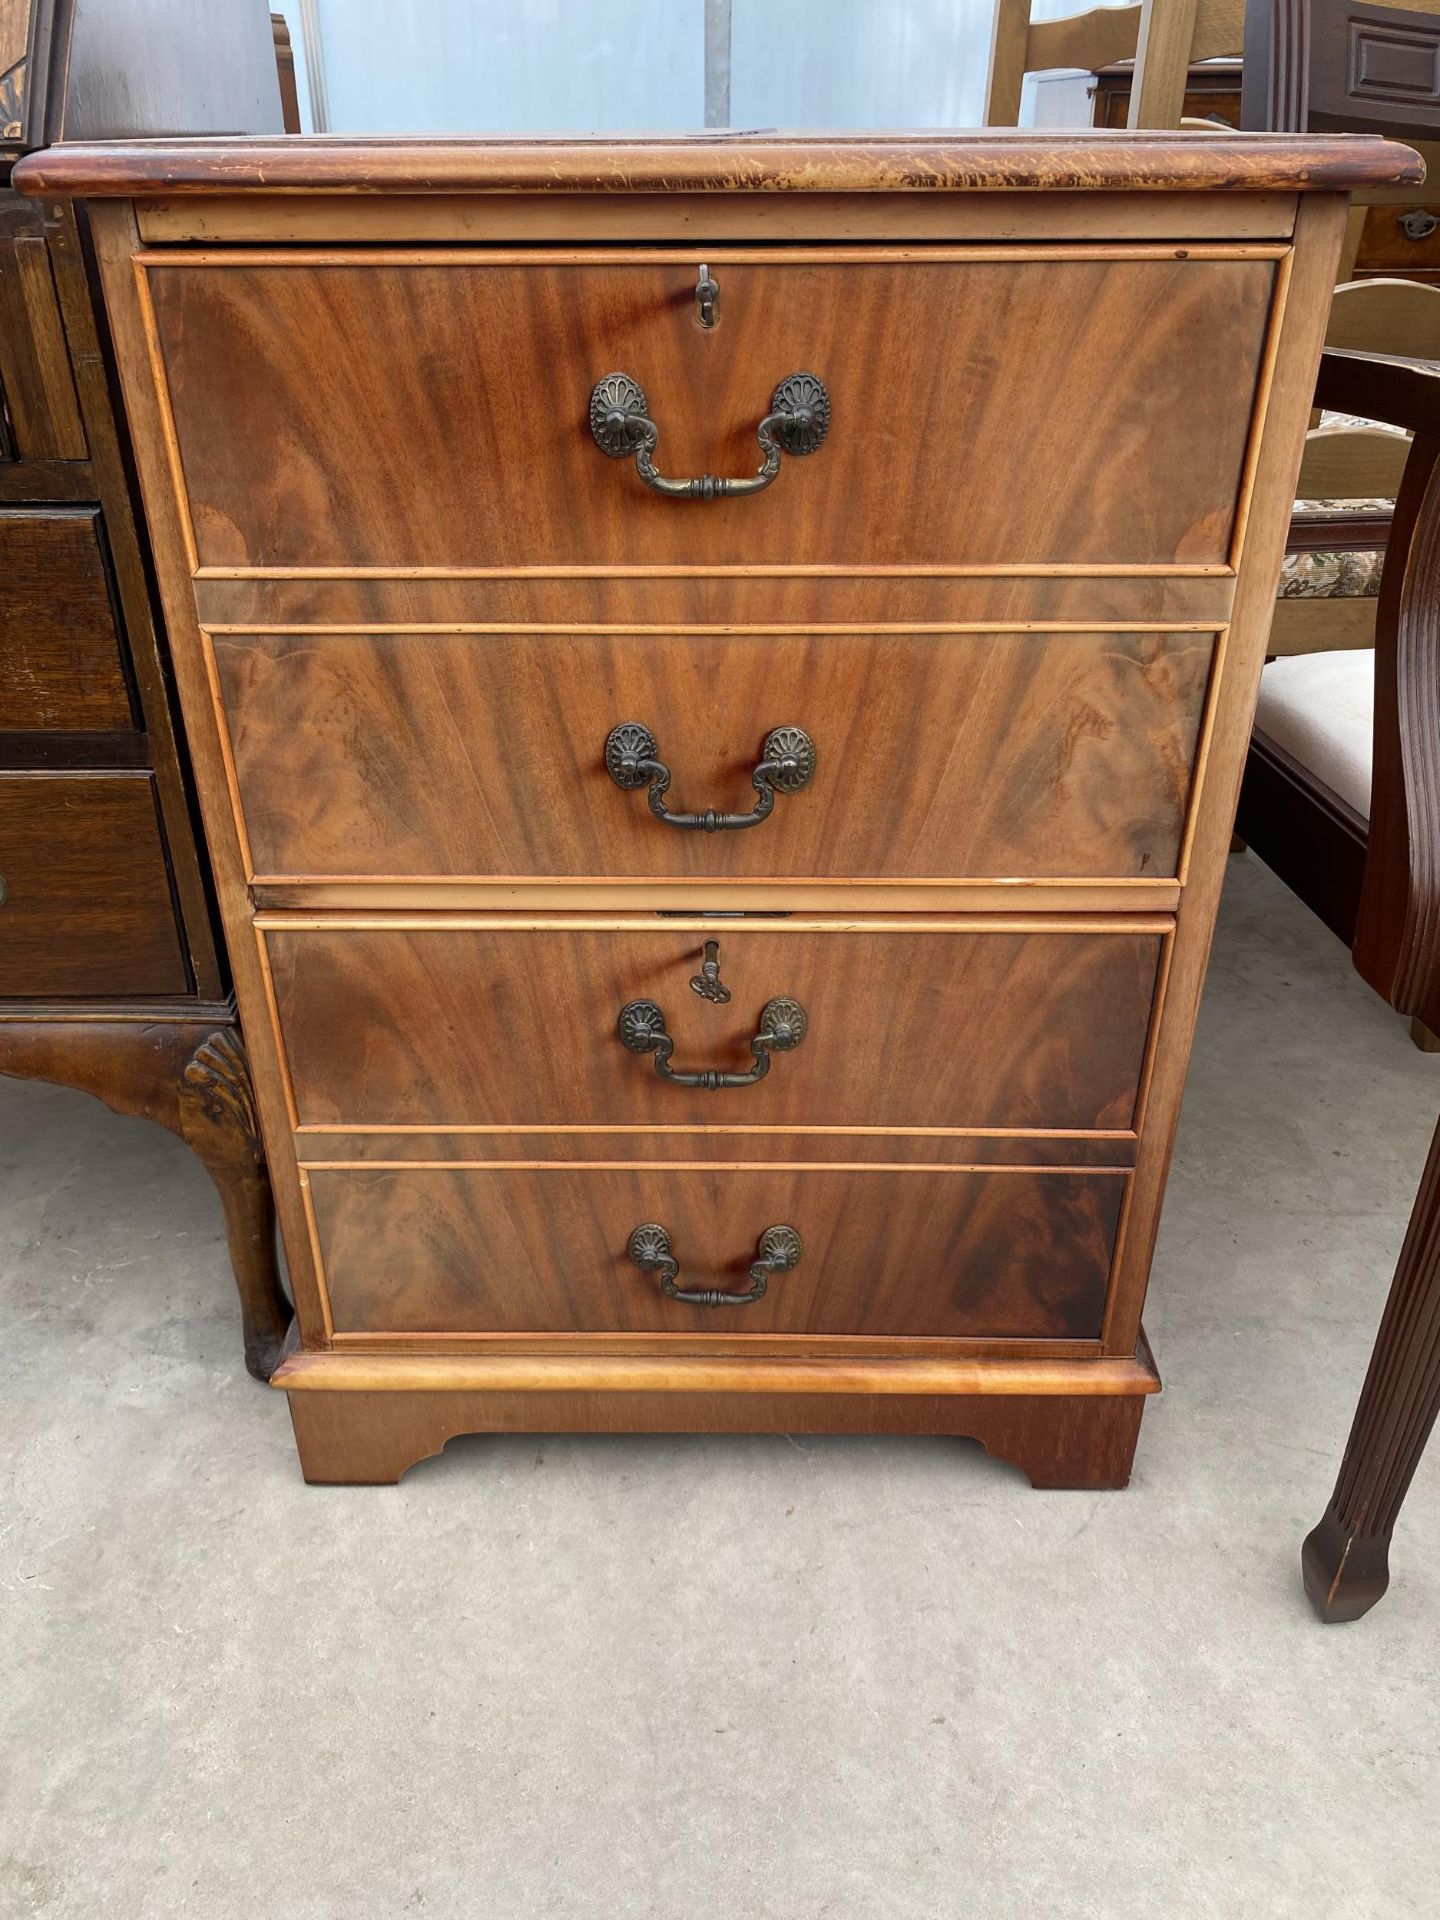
1346,1559
190,1076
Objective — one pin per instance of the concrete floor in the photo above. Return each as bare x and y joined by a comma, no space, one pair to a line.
729,1677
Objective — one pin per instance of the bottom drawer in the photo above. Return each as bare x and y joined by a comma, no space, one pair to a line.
1003,1253
88,908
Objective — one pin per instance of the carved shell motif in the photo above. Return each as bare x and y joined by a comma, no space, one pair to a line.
219,1075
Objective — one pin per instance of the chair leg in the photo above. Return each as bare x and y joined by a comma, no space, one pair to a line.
1345,1560
1424,1039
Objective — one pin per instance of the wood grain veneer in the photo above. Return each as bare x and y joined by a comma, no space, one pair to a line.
437,417
474,1249
939,755
906,1029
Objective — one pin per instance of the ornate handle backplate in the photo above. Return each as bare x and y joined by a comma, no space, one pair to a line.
782,1027
798,420
787,763
778,1251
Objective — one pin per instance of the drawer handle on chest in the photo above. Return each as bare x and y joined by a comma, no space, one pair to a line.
782,1027
787,763
798,420
779,1251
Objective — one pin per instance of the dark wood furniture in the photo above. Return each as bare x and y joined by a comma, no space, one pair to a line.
1212,92
1346,1559
986,688
1343,66
112,974
1389,913
1325,66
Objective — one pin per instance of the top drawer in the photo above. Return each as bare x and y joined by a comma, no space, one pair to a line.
431,410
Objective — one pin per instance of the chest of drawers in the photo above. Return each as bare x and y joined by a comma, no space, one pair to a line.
719,673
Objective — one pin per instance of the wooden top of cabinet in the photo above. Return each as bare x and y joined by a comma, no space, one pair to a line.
948,162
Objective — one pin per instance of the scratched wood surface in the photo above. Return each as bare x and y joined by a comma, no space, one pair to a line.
1056,161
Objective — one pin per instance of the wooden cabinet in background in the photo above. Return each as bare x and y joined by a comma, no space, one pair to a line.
113,975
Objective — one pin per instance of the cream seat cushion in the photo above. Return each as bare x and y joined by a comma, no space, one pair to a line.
1320,707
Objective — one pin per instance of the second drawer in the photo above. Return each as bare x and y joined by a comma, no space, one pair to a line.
916,756
902,1024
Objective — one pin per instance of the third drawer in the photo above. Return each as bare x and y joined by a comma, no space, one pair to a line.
906,1023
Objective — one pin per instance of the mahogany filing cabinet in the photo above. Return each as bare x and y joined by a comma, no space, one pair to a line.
718,672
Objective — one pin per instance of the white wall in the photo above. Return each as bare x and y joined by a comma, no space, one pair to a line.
626,66
512,66
858,63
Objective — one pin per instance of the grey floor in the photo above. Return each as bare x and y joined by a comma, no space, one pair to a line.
729,1677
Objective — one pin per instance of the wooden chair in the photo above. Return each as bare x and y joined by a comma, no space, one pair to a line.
1163,37
1305,804
1395,940
1367,857
1330,582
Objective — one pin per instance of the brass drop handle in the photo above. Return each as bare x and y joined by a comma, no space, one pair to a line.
783,1024
632,760
798,420
778,1251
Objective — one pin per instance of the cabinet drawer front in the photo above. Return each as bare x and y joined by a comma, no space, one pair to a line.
408,413
89,908
521,1027
1015,1254
58,637
937,756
